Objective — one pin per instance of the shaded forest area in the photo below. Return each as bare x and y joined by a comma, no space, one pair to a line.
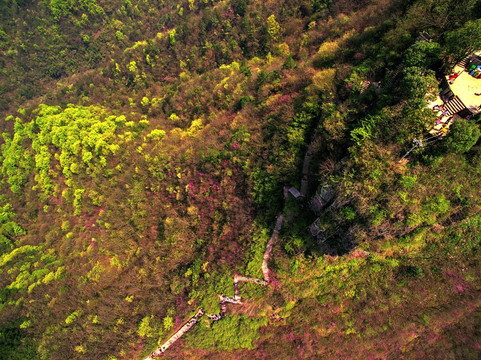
145,147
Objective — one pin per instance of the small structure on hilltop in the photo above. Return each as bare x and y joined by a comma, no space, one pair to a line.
321,231
461,90
315,228
322,198
460,94
294,192
424,36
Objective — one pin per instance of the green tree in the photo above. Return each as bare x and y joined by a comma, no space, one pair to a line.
319,5
239,7
415,118
156,134
146,328
119,35
172,39
416,83
422,54
61,7
273,28
462,136
463,41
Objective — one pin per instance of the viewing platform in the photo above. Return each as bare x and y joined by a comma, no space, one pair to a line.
461,90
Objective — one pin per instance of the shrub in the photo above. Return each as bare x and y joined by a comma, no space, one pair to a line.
422,54
273,28
410,271
462,136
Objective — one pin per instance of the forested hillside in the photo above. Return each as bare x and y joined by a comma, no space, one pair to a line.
147,148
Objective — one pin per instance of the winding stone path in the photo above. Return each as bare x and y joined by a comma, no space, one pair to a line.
240,278
178,334
225,299
270,244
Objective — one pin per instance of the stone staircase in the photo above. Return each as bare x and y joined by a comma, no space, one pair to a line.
464,62
453,106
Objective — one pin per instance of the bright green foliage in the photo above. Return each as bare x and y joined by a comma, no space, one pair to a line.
54,275
79,134
132,66
408,182
144,329
119,35
430,211
25,324
9,229
149,327
348,213
24,250
73,317
77,202
355,82
233,332
62,8
157,134
273,28
95,197
17,163
284,49
255,256
172,39
462,136
195,127
297,130
96,272
173,117
168,323
31,268
366,131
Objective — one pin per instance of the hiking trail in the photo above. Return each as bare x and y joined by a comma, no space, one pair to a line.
223,299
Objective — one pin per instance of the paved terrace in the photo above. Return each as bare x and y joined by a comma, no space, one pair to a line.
465,87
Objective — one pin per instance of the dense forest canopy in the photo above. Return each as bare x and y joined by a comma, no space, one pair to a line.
146,149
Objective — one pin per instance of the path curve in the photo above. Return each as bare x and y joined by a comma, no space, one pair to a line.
240,278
